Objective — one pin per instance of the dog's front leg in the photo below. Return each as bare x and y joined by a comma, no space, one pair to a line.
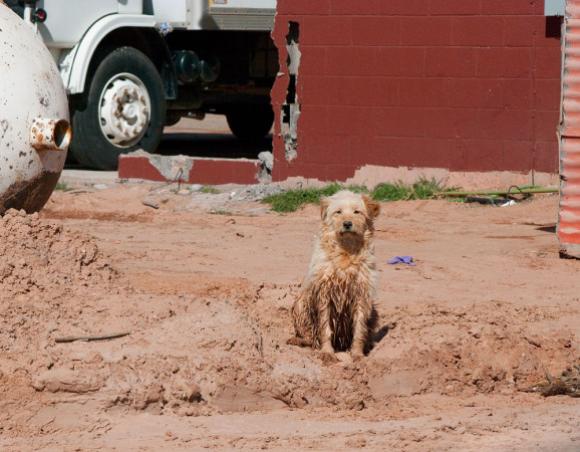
325,329
360,333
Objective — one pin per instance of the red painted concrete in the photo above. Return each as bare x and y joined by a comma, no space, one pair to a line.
204,171
465,85
138,167
224,171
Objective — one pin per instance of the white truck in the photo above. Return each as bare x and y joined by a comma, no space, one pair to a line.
132,67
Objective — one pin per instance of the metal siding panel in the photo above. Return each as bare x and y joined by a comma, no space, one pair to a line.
569,134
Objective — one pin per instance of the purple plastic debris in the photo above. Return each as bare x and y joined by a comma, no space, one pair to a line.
407,260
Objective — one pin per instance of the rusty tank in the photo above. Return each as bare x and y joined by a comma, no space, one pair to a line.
34,117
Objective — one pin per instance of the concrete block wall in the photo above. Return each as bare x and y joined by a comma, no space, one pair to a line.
464,85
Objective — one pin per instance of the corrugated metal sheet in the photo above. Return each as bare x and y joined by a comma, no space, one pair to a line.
569,134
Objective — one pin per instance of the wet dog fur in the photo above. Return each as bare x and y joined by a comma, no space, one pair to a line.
335,309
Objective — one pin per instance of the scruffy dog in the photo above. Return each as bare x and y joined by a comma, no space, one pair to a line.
333,311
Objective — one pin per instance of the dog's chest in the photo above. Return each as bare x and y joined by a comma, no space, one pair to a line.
345,287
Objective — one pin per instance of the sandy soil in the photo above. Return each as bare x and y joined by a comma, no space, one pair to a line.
204,283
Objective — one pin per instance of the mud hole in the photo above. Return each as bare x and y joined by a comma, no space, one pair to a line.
207,301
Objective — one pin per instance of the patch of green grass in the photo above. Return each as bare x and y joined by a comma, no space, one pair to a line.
292,200
422,189
391,192
62,186
209,189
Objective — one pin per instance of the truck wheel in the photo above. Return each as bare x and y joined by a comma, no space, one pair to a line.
250,122
123,110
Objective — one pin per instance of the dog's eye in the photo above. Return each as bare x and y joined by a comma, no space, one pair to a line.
357,212
338,212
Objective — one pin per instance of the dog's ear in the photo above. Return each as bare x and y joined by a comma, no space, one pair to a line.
324,203
373,207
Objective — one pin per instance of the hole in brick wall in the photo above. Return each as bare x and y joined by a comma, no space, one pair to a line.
553,27
291,107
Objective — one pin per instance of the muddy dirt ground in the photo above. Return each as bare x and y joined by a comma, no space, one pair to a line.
204,282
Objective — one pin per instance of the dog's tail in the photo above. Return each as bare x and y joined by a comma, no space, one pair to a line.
300,342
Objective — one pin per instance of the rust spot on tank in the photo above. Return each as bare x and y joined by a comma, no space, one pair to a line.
30,195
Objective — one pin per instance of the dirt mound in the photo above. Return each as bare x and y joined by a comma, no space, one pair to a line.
241,362
49,276
41,256
491,347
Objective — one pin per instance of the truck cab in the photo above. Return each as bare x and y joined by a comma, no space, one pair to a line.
132,67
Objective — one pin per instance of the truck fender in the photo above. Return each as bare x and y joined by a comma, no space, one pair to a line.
75,72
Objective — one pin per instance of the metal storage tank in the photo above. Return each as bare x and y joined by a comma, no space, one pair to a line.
34,117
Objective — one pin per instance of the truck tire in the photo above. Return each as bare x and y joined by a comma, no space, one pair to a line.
250,122
123,110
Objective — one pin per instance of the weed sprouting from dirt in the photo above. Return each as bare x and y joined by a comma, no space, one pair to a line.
566,384
209,190
422,189
62,186
291,200
220,212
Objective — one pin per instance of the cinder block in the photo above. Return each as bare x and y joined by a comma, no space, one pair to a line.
518,93
518,155
426,31
342,121
512,7
451,62
548,62
481,154
400,61
325,30
519,31
476,92
358,7
547,96
512,62
454,7
546,156
439,123
399,122
303,7
478,31
403,7
361,60
312,60
426,92
545,125
190,170
376,31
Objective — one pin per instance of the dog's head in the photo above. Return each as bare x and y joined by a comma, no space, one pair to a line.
349,214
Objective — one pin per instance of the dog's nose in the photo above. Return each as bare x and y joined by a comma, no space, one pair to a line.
347,225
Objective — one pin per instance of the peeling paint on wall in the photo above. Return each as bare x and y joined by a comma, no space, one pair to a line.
291,107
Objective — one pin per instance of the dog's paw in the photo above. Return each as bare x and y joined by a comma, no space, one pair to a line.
328,358
357,355
299,342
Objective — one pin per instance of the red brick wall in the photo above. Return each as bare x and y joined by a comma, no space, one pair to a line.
469,85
